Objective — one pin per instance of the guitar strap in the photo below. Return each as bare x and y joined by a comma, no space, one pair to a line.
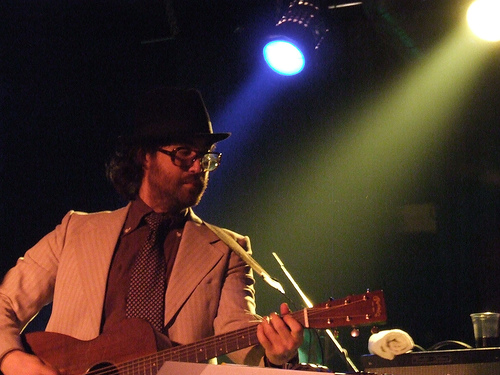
238,249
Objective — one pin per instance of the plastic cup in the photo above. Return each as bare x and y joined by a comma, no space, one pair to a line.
485,326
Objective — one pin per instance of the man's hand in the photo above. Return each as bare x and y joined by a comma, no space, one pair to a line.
21,363
280,336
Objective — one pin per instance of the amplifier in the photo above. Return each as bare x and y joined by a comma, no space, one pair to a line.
480,361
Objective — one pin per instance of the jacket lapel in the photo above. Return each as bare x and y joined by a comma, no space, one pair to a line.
195,258
97,244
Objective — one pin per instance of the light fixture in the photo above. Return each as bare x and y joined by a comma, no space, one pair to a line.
297,36
483,17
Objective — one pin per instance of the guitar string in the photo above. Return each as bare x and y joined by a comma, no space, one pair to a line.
213,343
173,354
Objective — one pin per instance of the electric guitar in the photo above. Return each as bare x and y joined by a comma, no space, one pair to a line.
130,348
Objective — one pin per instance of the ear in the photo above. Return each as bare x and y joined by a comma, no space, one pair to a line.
143,158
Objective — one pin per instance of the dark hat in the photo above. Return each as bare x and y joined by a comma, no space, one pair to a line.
173,115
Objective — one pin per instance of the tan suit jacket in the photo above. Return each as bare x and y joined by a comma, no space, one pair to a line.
210,291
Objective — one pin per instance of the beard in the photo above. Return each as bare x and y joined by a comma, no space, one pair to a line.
174,192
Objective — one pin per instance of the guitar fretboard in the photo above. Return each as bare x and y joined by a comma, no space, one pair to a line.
198,352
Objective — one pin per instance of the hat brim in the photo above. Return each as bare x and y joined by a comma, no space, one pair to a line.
209,138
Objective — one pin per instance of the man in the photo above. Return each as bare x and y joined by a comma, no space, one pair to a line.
88,267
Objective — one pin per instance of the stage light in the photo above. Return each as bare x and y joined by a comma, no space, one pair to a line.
297,35
483,17
284,57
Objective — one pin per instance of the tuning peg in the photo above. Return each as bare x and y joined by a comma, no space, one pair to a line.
374,330
355,332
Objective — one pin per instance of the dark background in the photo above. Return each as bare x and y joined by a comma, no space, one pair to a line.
69,75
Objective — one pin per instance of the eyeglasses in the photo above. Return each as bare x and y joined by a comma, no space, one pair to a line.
185,157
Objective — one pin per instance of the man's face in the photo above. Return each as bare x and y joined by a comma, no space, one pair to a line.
168,187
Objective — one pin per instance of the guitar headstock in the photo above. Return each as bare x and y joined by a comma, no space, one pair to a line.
367,308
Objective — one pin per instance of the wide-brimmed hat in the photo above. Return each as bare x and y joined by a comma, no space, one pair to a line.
171,115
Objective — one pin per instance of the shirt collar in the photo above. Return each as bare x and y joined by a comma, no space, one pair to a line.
139,209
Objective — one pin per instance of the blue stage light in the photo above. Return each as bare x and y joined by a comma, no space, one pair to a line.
284,57
293,44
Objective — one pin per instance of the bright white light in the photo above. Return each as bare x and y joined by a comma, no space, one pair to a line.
284,58
483,17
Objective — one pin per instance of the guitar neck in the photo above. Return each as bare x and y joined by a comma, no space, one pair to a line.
198,352
215,346
211,347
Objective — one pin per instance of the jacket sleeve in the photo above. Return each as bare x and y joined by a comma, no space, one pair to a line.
29,286
237,306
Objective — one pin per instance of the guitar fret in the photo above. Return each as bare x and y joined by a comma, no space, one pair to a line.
218,349
200,355
135,368
203,353
196,354
153,366
227,350
239,343
185,355
175,355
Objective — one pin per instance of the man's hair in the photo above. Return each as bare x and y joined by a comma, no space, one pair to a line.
125,167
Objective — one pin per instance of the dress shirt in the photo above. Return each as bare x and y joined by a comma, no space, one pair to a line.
133,236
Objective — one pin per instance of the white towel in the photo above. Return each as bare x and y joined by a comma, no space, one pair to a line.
390,343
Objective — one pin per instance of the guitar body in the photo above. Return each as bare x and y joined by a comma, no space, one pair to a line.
131,339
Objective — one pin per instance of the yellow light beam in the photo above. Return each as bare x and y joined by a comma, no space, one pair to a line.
331,191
